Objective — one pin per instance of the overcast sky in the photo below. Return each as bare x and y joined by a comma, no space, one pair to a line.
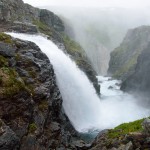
92,3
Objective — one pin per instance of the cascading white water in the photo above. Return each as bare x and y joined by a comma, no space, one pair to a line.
83,107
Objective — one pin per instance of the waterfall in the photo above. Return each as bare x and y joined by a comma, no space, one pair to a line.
81,104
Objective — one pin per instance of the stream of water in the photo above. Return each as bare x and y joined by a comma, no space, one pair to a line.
84,108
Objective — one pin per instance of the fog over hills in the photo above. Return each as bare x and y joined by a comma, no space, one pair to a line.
100,30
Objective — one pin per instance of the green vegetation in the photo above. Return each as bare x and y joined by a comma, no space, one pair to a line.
43,105
71,46
32,128
126,128
10,83
6,38
17,57
3,61
43,28
32,73
129,65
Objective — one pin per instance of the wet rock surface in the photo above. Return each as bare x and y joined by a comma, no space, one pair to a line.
31,112
19,17
130,141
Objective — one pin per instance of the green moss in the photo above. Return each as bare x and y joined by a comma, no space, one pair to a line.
43,105
71,46
126,128
18,57
11,84
6,38
43,28
3,61
32,128
32,73
126,67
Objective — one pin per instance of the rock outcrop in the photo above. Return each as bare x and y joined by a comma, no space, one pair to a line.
139,81
19,17
124,58
129,136
31,110
16,10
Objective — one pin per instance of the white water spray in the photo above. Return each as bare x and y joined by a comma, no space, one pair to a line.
83,107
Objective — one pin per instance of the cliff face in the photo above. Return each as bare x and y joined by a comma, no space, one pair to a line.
31,113
20,17
16,10
127,136
124,58
30,102
139,82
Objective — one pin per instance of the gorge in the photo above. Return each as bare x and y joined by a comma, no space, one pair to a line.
52,96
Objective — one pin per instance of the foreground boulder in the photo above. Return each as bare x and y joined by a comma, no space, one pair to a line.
128,136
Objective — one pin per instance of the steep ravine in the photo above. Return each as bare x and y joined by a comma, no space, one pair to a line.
130,62
31,110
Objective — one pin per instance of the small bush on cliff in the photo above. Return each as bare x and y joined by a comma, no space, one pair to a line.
11,84
126,128
3,61
5,38
32,128
43,28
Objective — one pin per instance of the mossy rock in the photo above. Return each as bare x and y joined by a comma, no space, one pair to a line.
127,67
6,38
43,105
43,28
3,61
32,128
72,47
11,84
125,128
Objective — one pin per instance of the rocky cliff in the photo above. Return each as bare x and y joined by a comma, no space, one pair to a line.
20,17
128,136
139,81
31,113
124,58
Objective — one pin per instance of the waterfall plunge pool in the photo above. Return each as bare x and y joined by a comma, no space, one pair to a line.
86,111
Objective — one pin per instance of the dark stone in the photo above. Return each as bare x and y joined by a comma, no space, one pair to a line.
24,28
7,49
51,20
8,139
